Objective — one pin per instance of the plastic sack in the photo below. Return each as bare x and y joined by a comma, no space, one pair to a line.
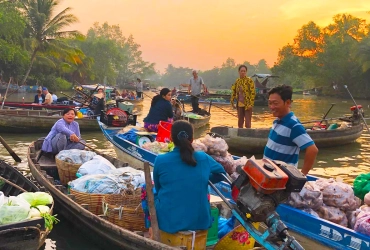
339,194
2,198
101,184
135,176
199,146
241,161
226,161
36,198
363,223
361,185
13,210
97,165
333,214
216,146
310,211
75,156
35,212
309,197
225,226
352,217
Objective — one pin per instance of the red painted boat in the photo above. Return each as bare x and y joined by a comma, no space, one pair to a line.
36,106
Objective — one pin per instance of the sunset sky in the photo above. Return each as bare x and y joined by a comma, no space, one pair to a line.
202,34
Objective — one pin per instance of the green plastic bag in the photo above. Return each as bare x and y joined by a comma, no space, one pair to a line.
361,185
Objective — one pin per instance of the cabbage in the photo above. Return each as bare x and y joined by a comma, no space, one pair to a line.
36,212
37,198
14,210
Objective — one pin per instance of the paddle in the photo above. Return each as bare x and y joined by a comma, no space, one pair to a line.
213,105
10,151
323,118
150,196
345,86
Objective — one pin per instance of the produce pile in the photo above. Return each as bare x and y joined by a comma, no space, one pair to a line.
26,206
223,92
216,99
333,201
217,148
159,147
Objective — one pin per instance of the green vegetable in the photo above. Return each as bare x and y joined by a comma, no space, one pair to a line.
37,198
224,92
36,212
50,220
171,146
14,210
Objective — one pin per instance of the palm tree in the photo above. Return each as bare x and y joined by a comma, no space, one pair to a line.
46,32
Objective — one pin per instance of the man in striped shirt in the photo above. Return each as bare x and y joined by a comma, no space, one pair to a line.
287,135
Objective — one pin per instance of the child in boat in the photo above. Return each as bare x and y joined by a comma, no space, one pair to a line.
160,110
181,183
65,134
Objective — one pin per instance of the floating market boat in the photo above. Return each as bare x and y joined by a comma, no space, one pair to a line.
30,234
253,140
103,232
197,121
37,121
260,99
36,106
311,232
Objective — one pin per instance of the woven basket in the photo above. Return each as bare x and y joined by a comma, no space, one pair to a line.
125,210
93,200
66,170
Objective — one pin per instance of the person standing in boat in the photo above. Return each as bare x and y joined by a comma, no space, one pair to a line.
97,102
244,92
139,88
287,135
160,110
196,84
39,97
65,134
181,183
48,98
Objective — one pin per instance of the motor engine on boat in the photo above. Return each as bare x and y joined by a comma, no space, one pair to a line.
357,112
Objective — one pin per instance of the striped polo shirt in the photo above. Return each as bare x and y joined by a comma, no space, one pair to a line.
287,136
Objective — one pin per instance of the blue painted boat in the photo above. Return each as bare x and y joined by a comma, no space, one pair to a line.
307,227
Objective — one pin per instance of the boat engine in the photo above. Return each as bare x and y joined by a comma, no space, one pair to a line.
356,114
262,185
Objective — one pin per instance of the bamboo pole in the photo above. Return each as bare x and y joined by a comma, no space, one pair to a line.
150,196
6,92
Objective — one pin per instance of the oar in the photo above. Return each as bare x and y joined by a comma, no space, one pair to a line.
323,118
345,86
10,151
213,105
6,92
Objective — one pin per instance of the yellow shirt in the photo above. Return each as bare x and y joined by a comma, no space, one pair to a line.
48,98
247,85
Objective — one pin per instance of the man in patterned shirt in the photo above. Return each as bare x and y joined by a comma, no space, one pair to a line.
244,92
287,135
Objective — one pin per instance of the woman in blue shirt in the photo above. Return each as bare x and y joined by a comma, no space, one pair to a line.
160,110
181,182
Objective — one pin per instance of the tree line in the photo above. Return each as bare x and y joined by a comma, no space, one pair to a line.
37,47
327,58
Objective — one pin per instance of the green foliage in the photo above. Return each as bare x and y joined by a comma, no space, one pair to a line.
338,54
61,84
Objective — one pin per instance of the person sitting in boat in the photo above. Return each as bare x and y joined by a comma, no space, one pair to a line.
124,94
54,97
48,98
176,109
160,110
65,134
287,135
181,183
243,91
97,102
131,95
39,97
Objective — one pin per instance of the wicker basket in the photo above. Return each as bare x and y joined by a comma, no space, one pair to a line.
93,200
66,170
125,210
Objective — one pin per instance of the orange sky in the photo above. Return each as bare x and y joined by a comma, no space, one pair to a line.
202,34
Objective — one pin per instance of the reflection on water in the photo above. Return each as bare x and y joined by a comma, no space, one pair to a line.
345,162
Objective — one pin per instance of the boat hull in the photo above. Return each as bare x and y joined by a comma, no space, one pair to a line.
22,121
104,233
33,106
254,140
312,233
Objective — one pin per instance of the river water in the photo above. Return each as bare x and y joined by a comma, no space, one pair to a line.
344,162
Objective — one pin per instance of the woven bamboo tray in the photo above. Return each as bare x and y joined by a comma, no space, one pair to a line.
125,210
66,170
93,200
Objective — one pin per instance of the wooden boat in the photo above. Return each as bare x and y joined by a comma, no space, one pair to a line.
103,232
311,232
198,122
260,99
253,140
136,102
35,106
37,121
28,235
